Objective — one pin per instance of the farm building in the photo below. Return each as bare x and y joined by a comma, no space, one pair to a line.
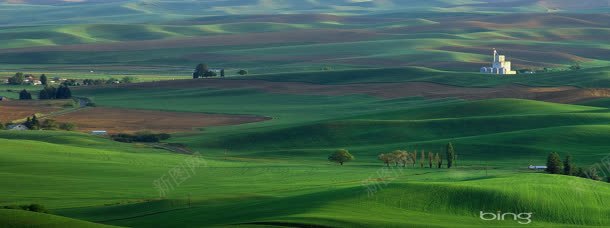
99,132
499,65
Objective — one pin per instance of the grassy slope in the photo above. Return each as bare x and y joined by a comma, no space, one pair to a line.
19,218
271,195
276,181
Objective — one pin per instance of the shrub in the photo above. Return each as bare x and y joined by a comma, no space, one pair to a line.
140,137
28,207
67,126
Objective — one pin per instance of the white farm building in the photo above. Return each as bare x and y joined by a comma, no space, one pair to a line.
499,65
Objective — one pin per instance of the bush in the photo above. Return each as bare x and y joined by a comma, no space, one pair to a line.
242,72
49,124
140,137
67,126
28,207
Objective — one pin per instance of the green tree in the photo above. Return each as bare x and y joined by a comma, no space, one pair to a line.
450,155
439,160
17,79
222,73
128,79
209,74
592,173
49,124
568,167
553,163
48,92
242,72
340,156
25,95
63,92
421,159
200,70
43,79
575,67
386,158
430,159
414,158
67,126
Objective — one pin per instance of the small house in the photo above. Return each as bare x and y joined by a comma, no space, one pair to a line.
17,127
99,132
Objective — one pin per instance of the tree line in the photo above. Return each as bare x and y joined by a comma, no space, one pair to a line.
202,70
47,124
554,165
403,157
47,93
34,123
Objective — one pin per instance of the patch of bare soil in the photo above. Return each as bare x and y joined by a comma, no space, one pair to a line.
19,109
116,120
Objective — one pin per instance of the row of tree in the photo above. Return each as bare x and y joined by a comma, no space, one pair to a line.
433,160
554,165
33,123
202,70
49,92
403,157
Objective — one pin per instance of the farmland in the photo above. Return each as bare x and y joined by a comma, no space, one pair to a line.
252,150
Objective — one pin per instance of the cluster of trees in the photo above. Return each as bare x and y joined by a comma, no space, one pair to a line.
25,95
203,71
554,165
433,160
28,207
140,137
33,123
50,92
126,79
17,79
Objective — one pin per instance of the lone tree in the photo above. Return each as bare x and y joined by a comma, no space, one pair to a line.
568,167
200,70
553,163
43,79
242,72
450,155
25,95
341,156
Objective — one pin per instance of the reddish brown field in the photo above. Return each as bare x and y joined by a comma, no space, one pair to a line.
116,120
15,109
